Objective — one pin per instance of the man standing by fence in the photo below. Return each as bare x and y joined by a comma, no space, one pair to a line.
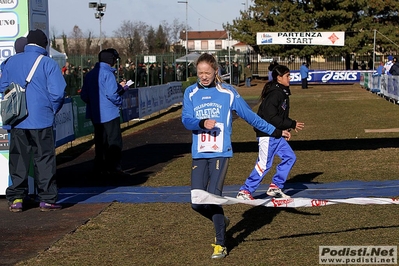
304,70
248,75
102,94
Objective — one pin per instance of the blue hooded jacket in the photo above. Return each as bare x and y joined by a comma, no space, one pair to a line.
100,93
45,92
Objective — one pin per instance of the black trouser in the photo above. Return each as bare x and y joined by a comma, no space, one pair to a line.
37,144
305,83
209,175
108,146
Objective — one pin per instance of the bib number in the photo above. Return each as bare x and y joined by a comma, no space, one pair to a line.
211,140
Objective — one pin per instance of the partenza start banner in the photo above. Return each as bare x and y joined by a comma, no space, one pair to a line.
330,38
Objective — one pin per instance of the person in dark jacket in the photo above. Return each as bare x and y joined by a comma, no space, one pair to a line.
274,109
236,74
19,46
394,70
33,138
272,65
248,75
102,94
355,65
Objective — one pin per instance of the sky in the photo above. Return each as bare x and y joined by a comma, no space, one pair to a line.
202,15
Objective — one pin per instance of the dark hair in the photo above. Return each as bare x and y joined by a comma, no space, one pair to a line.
279,70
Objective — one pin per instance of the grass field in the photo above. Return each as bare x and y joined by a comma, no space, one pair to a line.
333,147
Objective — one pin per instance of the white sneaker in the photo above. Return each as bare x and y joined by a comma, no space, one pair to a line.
277,193
244,195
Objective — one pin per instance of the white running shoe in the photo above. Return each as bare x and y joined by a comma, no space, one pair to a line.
277,193
244,195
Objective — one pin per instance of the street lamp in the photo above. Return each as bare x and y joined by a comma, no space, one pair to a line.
230,76
246,5
99,8
186,2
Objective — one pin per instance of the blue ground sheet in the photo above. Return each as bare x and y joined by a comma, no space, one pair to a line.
134,194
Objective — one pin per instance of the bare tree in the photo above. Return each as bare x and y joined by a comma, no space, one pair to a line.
89,41
124,34
167,29
128,36
175,30
172,31
76,41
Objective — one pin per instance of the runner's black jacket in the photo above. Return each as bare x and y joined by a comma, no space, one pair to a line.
275,108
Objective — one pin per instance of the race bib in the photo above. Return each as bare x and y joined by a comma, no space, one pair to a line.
211,140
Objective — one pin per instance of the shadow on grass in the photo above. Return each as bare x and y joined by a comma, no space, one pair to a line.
327,144
145,153
253,220
259,216
328,232
299,181
139,163
72,152
144,157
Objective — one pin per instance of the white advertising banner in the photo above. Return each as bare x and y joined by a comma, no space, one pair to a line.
14,24
155,98
330,38
64,127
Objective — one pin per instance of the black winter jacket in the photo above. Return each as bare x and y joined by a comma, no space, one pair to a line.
275,109
394,70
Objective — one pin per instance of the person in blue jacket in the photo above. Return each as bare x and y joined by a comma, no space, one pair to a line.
34,136
19,46
304,71
103,96
208,107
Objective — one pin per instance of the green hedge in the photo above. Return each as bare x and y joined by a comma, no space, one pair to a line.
188,82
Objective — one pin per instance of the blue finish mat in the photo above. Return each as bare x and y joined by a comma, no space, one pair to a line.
337,190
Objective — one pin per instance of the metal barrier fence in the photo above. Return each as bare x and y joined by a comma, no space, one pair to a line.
146,70
384,85
143,74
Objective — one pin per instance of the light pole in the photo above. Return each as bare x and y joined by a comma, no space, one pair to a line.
99,8
228,37
186,2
